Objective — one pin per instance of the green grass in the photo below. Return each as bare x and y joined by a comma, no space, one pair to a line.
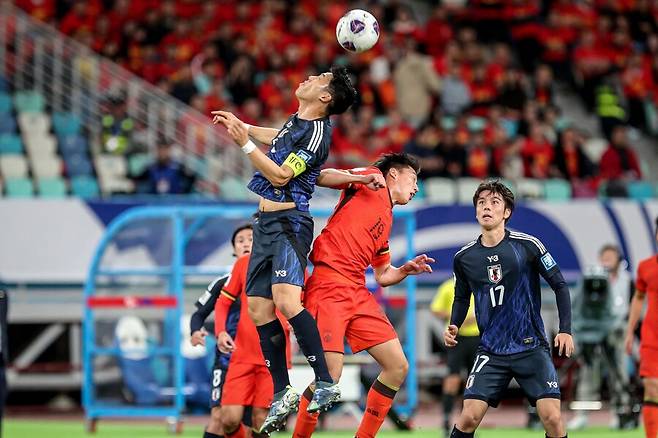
75,429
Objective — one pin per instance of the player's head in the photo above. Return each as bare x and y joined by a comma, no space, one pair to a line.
333,89
494,204
610,257
242,239
401,173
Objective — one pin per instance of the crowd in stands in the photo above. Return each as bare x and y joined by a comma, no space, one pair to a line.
470,89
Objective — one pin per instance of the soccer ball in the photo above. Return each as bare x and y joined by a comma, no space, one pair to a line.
357,31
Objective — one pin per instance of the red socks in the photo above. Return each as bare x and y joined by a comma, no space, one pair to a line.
305,424
237,433
380,400
650,417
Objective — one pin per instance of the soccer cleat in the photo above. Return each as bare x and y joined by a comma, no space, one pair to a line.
324,395
285,402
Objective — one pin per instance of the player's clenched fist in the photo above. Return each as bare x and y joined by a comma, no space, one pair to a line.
225,343
198,337
450,335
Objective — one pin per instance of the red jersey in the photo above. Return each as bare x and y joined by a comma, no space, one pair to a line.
647,282
357,232
247,342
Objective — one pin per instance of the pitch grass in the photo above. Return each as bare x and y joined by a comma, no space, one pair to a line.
75,429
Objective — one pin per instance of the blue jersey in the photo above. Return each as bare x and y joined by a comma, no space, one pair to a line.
505,282
309,140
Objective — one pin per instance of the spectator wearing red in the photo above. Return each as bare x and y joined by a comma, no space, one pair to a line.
543,86
43,10
482,90
537,153
619,161
396,132
571,161
637,84
438,31
479,160
592,62
80,18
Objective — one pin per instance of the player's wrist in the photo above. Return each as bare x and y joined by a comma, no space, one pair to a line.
246,126
248,147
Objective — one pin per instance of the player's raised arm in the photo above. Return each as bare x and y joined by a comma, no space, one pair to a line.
342,179
258,133
388,275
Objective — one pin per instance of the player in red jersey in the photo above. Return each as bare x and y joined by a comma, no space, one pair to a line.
356,237
647,286
248,381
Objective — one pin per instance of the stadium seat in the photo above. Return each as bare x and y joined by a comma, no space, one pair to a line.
594,148
39,145
233,189
13,166
7,124
641,190
84,187
440,190
78,164
10,144
48,166
5,104
72,143
33,122
66,124
466,188
530,189
511,185
557,190
51,187
29,102
137,163
111,165
19,188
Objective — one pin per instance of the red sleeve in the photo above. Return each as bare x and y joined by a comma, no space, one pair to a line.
382,256
231,292
640,283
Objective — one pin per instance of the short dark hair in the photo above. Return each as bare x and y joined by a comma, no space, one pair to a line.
397,160
611,247
342,91
238,229
496,186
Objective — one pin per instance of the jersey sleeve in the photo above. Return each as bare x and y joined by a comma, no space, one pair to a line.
382,256
205,304
641,282
462,296
311,150
236,283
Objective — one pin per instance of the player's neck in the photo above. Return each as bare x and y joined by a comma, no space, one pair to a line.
310,111
493,237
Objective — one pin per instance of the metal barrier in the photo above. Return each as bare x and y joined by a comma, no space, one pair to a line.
184,222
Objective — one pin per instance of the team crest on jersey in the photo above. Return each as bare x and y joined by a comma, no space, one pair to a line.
495,273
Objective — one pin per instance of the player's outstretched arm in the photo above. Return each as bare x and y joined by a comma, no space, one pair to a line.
388,275
258,133
342,179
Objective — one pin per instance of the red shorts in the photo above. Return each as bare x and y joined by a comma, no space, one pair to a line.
247,385
648,362
346,311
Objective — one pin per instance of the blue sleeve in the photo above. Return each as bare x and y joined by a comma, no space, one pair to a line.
549,269
462,297
206,303
311,146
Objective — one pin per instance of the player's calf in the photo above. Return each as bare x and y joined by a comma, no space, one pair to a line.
549,413
214,428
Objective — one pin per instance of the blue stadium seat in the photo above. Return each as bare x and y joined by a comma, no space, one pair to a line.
78,164
19,188
5,103
7,124
66,124
52,188
29,102
10,144
557,190
640,190
72,143
84,186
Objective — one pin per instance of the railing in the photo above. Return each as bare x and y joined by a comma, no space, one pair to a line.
72,78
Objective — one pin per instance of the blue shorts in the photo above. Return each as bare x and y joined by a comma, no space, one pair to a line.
491,374
219,370
282,241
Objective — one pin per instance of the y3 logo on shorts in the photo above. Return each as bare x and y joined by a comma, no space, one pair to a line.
311,358
552,384
280,273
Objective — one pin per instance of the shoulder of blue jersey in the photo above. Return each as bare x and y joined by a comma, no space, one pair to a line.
535,242
466,247
317,134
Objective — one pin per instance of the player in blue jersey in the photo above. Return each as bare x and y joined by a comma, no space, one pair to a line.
283,231
502,269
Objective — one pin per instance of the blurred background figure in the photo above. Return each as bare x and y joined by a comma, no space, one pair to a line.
601,309
165,175
460,358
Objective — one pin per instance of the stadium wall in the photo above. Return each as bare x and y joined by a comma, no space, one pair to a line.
53,241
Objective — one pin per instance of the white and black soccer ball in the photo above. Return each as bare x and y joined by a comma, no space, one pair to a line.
357,30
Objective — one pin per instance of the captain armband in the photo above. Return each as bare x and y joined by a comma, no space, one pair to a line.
296,163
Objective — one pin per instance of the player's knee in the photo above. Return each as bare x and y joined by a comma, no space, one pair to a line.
288,305
230,421
399,371
258,313
469,420
651,388
551,419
